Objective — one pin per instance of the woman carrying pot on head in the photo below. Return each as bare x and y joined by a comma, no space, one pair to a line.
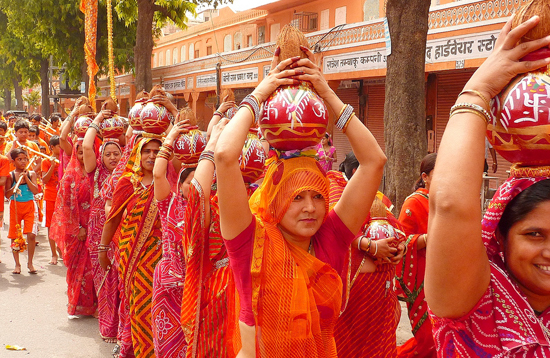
286,248
488,283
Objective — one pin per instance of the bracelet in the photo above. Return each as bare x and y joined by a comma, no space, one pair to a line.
425,236
208,155
376,249
473,107
359,242
477,93
218,113
253,105
169,147
466,110
163,155
345,117
104,249
368,245
165,151
346,125
94,126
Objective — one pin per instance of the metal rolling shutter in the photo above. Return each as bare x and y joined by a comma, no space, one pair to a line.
349,96
376,96
449,86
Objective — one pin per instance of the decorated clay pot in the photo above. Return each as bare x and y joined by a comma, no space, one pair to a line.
155,118
112,127
380,228
294,117
252,159
134,117
81,125
520,126
189,146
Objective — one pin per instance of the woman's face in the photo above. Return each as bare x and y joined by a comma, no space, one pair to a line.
184,187
304,216
80,155
111,156
324,141
527,253
148,155
427,179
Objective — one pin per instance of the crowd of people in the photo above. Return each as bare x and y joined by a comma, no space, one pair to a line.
200,260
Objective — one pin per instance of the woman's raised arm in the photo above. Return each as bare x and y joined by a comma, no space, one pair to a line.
354,205
457,268
235,215
89,157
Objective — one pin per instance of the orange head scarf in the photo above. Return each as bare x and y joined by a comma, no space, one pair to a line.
284,179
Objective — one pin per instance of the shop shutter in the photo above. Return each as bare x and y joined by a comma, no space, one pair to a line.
449,86
375,112
340,141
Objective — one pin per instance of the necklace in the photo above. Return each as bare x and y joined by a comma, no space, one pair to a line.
310,247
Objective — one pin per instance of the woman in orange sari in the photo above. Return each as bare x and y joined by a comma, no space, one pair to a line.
410,274
139,246
287,249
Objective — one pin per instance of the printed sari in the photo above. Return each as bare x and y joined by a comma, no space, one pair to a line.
105,282
140,251
369,317
72,211
410,275
208,313
168,336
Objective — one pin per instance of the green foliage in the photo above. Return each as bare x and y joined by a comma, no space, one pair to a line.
33,99
165,10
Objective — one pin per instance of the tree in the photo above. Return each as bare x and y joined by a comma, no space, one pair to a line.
33,99
151,15
404,107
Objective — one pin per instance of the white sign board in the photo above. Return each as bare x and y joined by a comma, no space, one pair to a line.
206,80
175,85
245,75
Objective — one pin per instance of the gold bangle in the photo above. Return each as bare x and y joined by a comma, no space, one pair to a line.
347,123
342,111
472,111
477,93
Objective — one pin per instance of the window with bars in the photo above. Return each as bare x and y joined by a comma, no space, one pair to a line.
305,21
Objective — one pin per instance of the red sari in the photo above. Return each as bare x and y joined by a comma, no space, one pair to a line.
410,275
106,282
72,211
369,318
139,248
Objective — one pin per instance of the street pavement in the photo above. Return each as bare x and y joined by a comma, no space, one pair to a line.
33,311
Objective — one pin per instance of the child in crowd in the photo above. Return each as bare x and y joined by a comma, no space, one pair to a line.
35,136
4,173
21,132
22,206
3,137
50,180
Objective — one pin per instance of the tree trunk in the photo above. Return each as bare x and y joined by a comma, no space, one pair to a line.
404,108
18,92
144,45
44,84
7,99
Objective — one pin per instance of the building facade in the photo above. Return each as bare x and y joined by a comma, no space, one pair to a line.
351,38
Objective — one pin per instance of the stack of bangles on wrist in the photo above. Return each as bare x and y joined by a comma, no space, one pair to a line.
253,105
471,108
208,155
103,248
346,114
94,126
360,240
218,113
165,151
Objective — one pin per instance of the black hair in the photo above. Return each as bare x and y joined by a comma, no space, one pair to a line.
21,124
14,153
35,117
54,140
426,166
523,204
349,164
55,117
34,129
3,125
184,174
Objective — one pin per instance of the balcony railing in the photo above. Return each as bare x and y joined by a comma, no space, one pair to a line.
440,17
